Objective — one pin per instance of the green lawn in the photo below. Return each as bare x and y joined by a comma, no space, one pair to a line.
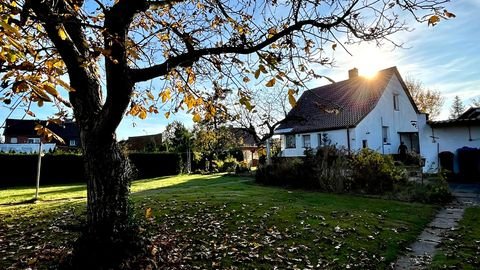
461,249
221,221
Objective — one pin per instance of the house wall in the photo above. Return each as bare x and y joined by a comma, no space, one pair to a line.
337,137
440,139
384,114
25,147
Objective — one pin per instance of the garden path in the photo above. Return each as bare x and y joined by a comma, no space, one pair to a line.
421,252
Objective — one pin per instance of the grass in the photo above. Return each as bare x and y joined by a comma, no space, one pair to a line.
461,249
221,221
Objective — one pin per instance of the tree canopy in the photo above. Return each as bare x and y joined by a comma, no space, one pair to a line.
427,100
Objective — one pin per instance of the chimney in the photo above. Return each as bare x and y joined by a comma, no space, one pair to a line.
352,73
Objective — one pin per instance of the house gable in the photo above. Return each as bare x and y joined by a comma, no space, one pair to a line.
340,105
394,114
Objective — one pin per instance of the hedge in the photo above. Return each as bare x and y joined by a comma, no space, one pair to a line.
20,170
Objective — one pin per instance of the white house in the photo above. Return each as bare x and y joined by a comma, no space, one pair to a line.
378,113
452,135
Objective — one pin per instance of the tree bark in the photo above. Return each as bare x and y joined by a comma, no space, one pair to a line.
108,173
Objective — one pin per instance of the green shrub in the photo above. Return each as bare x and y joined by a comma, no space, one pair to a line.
229,164
242,167
433,190
375,173
282,172
328,169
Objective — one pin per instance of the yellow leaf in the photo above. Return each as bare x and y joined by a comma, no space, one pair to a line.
257,73
190,101
292,101
163,37
262,68
271,32
167,115
191,75
40,93
64,85
433,20
142,114
50,89
165,95
196,118
61,33
150,96
9,29
134,110
270,83
148,213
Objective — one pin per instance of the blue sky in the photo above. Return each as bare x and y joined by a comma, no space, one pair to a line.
445,58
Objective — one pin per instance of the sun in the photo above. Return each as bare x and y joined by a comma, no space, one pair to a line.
369,59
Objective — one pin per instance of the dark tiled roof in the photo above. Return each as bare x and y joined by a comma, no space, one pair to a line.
18,127
471,113
247,138
470,117
455,123
338,105
139,143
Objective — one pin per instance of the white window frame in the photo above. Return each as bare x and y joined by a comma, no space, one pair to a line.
307,141
292,140
33,140
396,102
13,140
72,142
385,135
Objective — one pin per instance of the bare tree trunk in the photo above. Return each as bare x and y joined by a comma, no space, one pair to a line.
108,175
110,236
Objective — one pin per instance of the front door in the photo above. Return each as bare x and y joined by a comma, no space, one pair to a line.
411,140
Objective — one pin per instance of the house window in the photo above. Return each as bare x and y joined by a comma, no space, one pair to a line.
396,104
13,140
290,141
364,143
385,136
323,139
306,141
73,143
33,140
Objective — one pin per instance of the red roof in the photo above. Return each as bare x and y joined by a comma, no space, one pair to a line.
339,105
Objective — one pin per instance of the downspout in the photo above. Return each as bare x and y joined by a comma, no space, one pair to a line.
381,136
348,140
470,133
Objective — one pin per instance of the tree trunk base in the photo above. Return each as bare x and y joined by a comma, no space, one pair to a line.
98,252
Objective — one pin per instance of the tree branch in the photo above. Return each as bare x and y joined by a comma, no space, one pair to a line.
187,58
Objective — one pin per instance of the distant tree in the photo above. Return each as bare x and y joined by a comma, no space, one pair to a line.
259,118
177,138
427,100
457,108
213,143
476,102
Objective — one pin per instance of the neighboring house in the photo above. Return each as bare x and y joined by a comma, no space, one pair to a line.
248,146
21,134
377,113
146,143
452,136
